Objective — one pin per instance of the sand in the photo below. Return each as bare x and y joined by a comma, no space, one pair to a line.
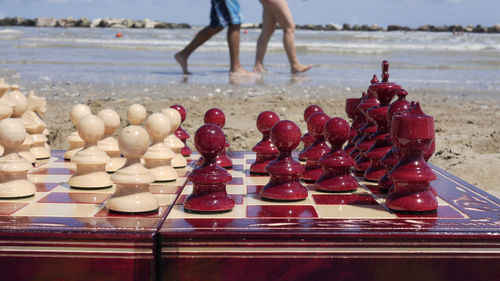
467,124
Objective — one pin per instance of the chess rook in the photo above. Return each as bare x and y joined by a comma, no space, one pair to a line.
13,168
284,184
216,116
132,182
75,141
337,163
307,138
90,161
265,149
315,125
413,132
180,132
209,180
172,140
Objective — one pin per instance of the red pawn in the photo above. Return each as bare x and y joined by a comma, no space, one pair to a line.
352,111
265,149
317,149
284,184
209,180
217,117
308,139
337,163
180,132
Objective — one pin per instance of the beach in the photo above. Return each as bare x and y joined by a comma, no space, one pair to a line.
456,82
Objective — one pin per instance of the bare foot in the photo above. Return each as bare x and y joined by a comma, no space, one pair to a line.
183,62
300,68
243,73
259,68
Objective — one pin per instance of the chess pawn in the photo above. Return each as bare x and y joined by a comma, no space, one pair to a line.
4,88
136,114
20,104
90,161
315,126
411,175
180,132
337,163
5,112
172,140
265,149
76,143
352,111
284,184
217,117
13,168
132,182
209,180
158,157
307,138
109,144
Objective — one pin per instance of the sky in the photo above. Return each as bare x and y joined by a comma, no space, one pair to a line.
411,13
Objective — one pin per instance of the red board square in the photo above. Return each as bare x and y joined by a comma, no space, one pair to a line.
52,171
237,198
75,197
373,188
8,208
45,187
343,199
281,211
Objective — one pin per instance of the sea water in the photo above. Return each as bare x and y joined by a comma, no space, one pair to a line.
340,59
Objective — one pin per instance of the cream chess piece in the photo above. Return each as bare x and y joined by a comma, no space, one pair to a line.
20,105
13,168
75,141
5,112
172,140
132,182
109,144
136,114
4,88
90,161
159,156
35,126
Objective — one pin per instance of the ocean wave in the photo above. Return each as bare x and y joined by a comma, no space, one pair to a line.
10,31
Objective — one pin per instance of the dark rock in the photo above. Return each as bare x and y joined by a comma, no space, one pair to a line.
331,27
346,26
479,29
183,25
443,28
5,21
66,22
164,25
494,29
138,24
374,27
83,22
426,27
456,28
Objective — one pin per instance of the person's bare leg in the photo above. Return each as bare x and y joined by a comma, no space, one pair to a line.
283,15
268,27
203,36
233,41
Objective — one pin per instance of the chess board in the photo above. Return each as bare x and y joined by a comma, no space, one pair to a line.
332,236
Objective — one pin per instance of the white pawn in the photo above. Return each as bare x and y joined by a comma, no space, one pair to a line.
159,156
172,140
90,161
75,141
13,168
132,182
5,112
109,144
20,105
136,114
4,88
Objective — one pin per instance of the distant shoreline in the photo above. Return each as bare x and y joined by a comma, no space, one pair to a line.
147,23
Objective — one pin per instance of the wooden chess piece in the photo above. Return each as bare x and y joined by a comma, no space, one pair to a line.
180,132
172,140
209,180
315,126
352,111
158,157
20,105
337,163
108,143
35,126
307,138
76,143
136,114
132,182
90,161
413,132
5,112
4,88
14,181
216,116
384,92
265,149
284,184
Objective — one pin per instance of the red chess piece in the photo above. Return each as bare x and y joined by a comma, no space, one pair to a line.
392,156
209,180
384,92
352,111
284,184
265,149
413,132
317,149
308,139
217,117
180,132
337,163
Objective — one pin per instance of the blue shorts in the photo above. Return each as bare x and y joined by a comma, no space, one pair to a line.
225,12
